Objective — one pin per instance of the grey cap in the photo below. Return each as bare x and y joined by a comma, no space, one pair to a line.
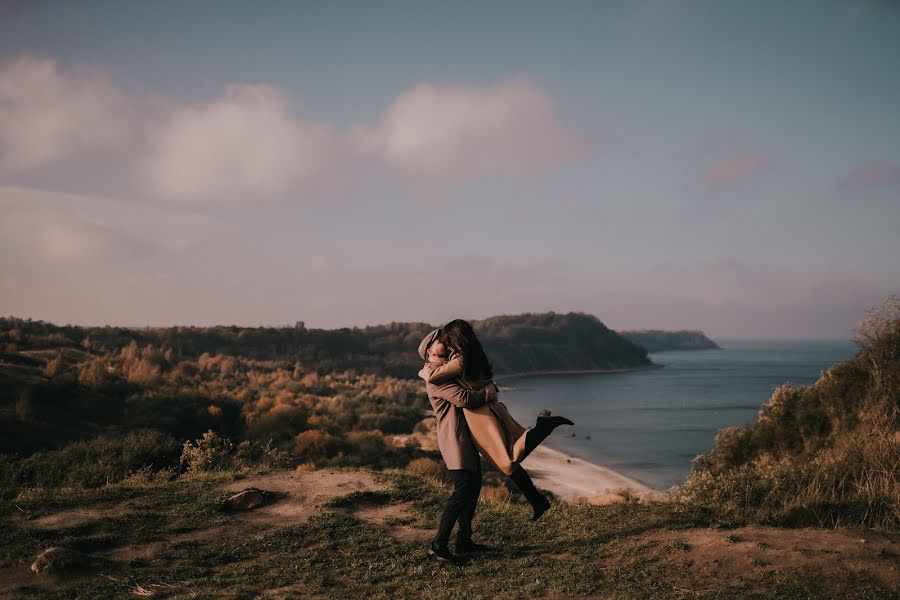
427,341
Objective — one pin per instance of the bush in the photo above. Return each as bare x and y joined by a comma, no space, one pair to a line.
215,453
208,453
366,447
316,445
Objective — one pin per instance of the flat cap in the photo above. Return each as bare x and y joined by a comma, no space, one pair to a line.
427,341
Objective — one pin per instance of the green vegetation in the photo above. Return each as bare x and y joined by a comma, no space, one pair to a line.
827,454
657,340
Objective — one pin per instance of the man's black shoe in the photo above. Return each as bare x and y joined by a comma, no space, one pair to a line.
441,552
470,547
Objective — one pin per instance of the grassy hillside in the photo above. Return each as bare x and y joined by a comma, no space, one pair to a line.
354,534
827,454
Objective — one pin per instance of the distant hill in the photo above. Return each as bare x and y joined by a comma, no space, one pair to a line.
520,343
62,384
556,342
657,340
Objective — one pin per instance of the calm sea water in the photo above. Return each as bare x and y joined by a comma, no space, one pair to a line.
650,424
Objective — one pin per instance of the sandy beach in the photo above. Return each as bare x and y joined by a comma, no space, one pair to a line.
571,479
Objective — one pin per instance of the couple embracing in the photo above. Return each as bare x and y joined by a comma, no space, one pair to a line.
470,419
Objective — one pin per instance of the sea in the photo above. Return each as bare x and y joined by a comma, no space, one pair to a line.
649,424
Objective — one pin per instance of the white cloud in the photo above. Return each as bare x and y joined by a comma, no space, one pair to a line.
48,114
247,144
451,133
244,145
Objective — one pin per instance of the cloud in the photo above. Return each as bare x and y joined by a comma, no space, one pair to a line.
877,173
244,145
453,133
729,172
48,114
89,231
247,144
92,259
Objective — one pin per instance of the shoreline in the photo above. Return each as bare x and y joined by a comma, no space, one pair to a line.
577,372
574,479
571,479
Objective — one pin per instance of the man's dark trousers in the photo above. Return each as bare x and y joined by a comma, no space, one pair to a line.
460,506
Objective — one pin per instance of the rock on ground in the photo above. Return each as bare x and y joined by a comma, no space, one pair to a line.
56,558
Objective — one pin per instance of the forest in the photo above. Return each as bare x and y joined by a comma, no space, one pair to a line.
91,405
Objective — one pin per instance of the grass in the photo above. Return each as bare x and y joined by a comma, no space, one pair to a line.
574,550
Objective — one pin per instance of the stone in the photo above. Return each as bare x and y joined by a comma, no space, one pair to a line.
246,500
55,559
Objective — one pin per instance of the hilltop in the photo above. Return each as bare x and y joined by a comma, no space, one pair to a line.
340,533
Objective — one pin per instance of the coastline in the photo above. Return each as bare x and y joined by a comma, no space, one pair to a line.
577,372
573,479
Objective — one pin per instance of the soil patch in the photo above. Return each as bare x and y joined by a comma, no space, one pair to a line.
751,556
390,519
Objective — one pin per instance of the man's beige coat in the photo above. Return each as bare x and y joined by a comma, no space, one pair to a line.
454,440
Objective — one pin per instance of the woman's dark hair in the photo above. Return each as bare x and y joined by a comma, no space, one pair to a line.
458,335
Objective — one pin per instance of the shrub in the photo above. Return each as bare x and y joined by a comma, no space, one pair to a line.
315,445
212,452
366,447
95,372
208,453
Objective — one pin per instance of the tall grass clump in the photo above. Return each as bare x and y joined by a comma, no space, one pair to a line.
212,452
90,463
827,454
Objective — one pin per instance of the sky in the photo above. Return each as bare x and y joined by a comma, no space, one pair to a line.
723,165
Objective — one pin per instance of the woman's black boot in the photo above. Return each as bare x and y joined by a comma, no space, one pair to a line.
544,427
539,502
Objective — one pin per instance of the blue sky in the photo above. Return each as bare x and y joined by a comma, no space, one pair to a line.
729,166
